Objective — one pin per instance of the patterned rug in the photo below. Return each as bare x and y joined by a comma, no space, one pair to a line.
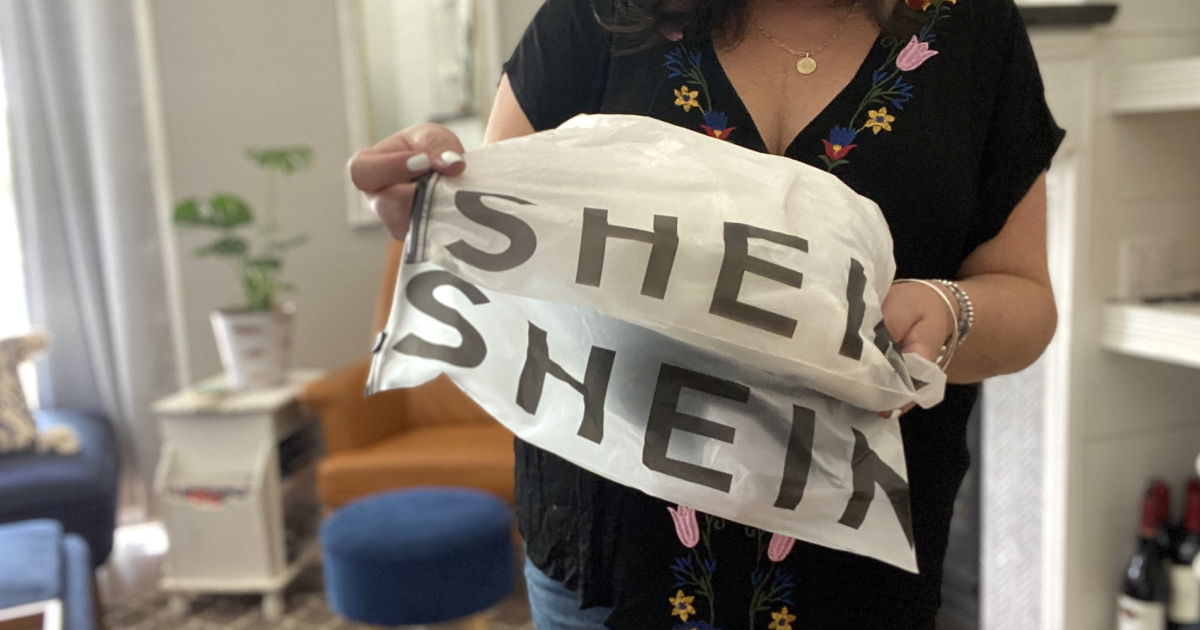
306,610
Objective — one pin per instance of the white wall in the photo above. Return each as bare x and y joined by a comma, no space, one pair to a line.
515,15
245,74
237,74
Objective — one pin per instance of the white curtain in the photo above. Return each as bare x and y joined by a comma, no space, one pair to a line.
86,212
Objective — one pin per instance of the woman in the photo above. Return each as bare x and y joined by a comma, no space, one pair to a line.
935,110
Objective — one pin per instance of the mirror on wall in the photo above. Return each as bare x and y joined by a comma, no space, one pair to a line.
420,64
412,61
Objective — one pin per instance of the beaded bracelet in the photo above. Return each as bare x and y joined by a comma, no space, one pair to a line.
966,310
952,342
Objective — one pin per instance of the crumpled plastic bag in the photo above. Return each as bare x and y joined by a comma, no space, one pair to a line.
678,314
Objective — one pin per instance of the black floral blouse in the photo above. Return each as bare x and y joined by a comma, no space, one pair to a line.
946,130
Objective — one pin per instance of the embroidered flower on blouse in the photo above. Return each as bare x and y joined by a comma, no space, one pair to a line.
879,120
783,586
780,547
914,54
678,61
716,124
687,99
841,140
686,62
899,94
781,620
681,605
685,526
888,84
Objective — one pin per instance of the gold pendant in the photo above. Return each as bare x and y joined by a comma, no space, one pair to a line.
806,65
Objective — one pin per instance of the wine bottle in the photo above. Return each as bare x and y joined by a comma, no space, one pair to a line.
1168,534
1143,601
1184,610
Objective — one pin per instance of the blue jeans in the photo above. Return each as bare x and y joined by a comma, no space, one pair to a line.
555,607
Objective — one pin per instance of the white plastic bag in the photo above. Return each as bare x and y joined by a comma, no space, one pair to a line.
680,315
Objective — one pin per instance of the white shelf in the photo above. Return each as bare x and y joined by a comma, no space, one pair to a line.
1170,85
1169,333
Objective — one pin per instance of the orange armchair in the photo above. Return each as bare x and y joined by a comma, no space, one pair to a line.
427,435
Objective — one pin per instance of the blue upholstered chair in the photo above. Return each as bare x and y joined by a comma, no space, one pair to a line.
420,556
38,562
79,491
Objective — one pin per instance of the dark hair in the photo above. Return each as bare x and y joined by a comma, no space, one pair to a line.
640,24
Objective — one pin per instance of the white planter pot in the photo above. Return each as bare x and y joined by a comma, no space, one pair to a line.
255,346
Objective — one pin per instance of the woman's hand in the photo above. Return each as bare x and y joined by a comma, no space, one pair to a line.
918,320
386,171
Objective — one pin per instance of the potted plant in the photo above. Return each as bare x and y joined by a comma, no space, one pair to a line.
254,340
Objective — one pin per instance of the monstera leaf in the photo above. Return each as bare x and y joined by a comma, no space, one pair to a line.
224,246
229,211
222,210
256,251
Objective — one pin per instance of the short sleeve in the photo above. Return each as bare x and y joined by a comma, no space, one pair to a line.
560,67
1022,137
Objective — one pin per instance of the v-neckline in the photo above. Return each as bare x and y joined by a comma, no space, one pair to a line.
736,101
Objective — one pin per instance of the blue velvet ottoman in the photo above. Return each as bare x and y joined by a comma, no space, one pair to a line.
38,562
418,556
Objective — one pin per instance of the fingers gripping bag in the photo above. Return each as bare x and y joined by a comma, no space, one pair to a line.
675,313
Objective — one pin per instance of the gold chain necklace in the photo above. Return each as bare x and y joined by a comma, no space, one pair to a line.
807,64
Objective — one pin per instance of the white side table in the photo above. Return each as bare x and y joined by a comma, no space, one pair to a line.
235,484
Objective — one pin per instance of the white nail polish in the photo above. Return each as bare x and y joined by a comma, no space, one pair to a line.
418,163
450,157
